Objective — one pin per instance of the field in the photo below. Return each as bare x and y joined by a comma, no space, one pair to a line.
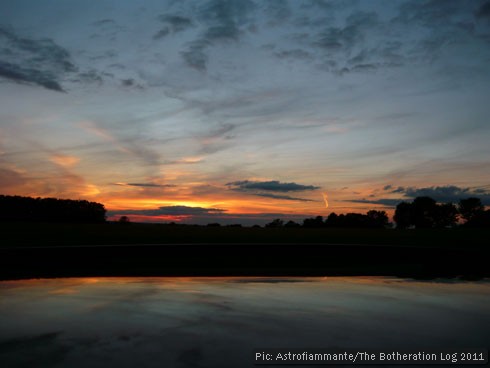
112,249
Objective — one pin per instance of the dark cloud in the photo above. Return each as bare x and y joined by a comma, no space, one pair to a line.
280,196
27,75
34,61
195,55
293,54
443,194
345,38
449,193
398,190
277,12
172,24
224,21
173,211
484,10
90,76
127,82
430,13
389,202
103,22
273,186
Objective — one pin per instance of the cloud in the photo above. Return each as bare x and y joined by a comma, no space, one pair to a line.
279,196
172,24
103,22
64,160
449,193
33,61
389,202
195,56
273,185
442,194
484,10
223,20
148,185
345,38
173,211
11,178
264,189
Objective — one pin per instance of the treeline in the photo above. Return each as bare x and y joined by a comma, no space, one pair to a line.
372,219
425,212
17,208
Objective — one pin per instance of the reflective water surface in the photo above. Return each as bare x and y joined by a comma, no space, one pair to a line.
217,322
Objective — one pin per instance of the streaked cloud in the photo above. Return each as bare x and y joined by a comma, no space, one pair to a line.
175,211
273,185
147,185
64,160
37,61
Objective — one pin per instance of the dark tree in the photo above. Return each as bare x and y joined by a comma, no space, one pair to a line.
17,208
275,223
470,208
424,212
332,220
377,219
482,219
313,222
291,223
446,215
403,215
124,220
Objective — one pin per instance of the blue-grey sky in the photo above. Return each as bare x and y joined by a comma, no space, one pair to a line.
228,110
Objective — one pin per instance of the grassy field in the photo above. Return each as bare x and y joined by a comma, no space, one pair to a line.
35,250
55,234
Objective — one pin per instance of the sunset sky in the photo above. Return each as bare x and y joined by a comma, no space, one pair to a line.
243,111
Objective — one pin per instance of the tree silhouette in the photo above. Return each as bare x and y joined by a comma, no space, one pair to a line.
470,208
377,219
17,208
275,223
423,212
403,215
124,220
446,215
313,222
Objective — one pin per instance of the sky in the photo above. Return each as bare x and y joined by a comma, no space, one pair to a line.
243,111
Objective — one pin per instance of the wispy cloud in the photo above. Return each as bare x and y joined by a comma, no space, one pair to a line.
64,160
145,185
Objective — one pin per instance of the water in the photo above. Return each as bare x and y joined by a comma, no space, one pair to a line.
217,322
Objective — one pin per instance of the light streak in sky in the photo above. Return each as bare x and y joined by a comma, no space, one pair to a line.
325,198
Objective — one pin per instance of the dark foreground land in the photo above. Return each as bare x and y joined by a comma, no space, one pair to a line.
34,250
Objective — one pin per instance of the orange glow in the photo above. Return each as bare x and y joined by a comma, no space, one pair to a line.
64,160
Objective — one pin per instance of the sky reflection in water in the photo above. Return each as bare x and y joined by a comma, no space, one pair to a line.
217,322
